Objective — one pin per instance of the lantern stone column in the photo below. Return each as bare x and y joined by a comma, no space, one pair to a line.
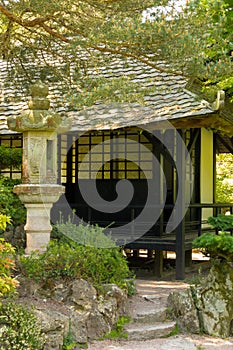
39,189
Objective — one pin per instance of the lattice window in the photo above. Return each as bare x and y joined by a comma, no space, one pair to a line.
106,155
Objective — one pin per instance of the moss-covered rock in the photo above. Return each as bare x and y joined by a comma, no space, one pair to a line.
213,300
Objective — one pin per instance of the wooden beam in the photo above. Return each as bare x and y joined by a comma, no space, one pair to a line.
228,147
159,146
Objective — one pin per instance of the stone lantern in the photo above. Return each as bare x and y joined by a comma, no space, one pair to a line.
39,188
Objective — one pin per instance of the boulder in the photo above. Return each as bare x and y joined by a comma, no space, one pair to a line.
181,308
113,291
78,327
55,326
97,326
207,307
61,292
82,295
108,309
214,300
27,287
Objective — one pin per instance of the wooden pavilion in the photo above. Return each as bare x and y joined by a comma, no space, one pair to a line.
165,147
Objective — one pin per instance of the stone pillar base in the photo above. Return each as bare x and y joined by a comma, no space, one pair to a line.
38,226
38,200
37,241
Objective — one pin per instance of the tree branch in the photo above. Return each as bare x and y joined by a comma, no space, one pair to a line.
24,23
54,33
138,58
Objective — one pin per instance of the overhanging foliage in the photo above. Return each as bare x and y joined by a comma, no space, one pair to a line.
87,33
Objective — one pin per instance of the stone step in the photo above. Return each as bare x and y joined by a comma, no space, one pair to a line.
149,331
149,316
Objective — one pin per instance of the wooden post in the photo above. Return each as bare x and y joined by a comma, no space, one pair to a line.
180,230
188,258
136,253
158,263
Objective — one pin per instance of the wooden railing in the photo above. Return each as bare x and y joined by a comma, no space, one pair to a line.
198,223
217,209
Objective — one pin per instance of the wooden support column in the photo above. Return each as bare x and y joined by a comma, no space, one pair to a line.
136,253
180,230
158,179
158,264
180,252
188,258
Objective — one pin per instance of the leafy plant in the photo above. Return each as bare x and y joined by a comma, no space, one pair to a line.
20,329
67,259
7,283
118,331
217,246
88,235
10,203
4,220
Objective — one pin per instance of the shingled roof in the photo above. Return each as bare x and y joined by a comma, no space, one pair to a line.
170,100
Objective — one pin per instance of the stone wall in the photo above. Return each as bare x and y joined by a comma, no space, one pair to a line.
74,308
207,307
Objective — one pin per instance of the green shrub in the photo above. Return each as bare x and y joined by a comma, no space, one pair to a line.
67,259
10,203
20,329
7,283
221,222
217,246
10,157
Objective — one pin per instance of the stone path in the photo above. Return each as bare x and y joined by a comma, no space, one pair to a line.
147,309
